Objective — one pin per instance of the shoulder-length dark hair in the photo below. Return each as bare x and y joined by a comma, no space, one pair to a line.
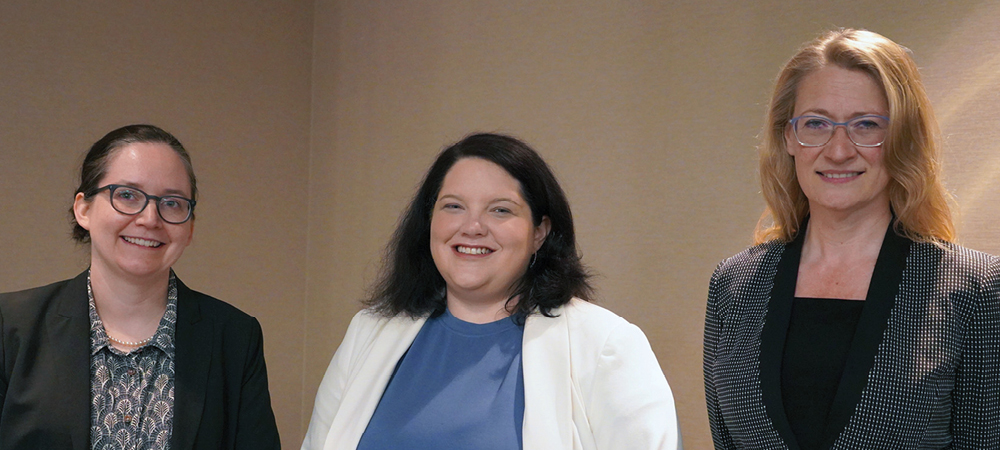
410,283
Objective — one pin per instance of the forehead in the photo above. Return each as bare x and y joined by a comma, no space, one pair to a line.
477,175
149,165
834,90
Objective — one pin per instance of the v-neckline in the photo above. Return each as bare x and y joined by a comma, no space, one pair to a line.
882,290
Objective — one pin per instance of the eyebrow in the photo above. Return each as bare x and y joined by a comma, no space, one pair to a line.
168,192
496,200
825,113
505,199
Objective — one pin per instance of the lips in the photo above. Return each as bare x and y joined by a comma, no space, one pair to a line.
467,250
142,242
839,175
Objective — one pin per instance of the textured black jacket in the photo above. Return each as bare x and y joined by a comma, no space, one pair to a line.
923,370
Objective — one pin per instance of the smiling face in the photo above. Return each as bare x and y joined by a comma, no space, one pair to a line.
482,234
840,177
142,246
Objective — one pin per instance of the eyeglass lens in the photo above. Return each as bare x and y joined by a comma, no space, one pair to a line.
864,130
132,201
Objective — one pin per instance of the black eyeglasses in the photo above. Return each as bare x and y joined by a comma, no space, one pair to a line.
131,201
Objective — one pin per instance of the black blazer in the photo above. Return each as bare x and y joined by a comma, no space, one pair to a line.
923,370
221,399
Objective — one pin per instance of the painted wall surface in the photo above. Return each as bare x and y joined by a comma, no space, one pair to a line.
311,124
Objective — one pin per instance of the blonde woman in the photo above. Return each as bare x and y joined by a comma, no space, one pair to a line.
855,322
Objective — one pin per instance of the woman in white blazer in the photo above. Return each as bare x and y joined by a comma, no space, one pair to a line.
478,333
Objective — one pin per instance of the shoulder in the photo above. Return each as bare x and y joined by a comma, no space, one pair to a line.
954,265
752,258
209,306
31,297
41,300
586,316
757,264
590,326
196,310
368,325
952,255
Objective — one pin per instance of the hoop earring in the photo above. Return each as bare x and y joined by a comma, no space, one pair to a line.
534,256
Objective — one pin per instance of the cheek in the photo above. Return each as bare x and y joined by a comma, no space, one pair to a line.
184,234
437,228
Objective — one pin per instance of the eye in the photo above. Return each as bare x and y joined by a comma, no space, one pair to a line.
171,202
451,206
501,210
814,123
128,194
868,123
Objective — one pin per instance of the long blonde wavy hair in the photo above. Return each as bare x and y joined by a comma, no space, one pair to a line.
911,152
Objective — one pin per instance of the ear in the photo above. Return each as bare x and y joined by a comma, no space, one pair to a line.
791,144
81,210
542,232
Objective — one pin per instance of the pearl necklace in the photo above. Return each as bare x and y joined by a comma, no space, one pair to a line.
132,344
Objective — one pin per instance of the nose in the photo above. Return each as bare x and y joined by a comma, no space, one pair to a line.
148,216
473,225
840,148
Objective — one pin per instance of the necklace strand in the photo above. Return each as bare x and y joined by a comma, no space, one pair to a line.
131,344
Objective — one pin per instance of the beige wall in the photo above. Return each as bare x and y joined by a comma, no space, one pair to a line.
312,123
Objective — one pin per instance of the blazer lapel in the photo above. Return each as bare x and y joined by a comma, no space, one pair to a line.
364,387
882,290
779,312
70,330
192,357
548,400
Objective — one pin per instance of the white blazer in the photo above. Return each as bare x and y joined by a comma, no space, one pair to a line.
591,381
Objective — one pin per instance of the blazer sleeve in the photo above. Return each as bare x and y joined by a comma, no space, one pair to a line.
713,328
975,421
256,424
630,405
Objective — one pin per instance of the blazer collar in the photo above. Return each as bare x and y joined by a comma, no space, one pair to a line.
70,330
882,290
545,360
194,340
364,385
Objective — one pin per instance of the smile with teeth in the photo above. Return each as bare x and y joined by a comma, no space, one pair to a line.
142,242
472,250
840,175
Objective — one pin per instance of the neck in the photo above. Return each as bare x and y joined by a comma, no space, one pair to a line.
478,311
830,236
130,310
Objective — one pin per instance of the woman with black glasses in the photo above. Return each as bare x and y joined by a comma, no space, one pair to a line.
125,356
856,322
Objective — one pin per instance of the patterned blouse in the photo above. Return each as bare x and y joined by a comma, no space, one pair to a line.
132,394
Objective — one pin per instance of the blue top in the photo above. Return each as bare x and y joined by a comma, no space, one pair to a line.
459,386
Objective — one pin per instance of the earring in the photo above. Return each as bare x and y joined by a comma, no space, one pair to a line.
533,257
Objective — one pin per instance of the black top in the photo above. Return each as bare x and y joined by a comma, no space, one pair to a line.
819,336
